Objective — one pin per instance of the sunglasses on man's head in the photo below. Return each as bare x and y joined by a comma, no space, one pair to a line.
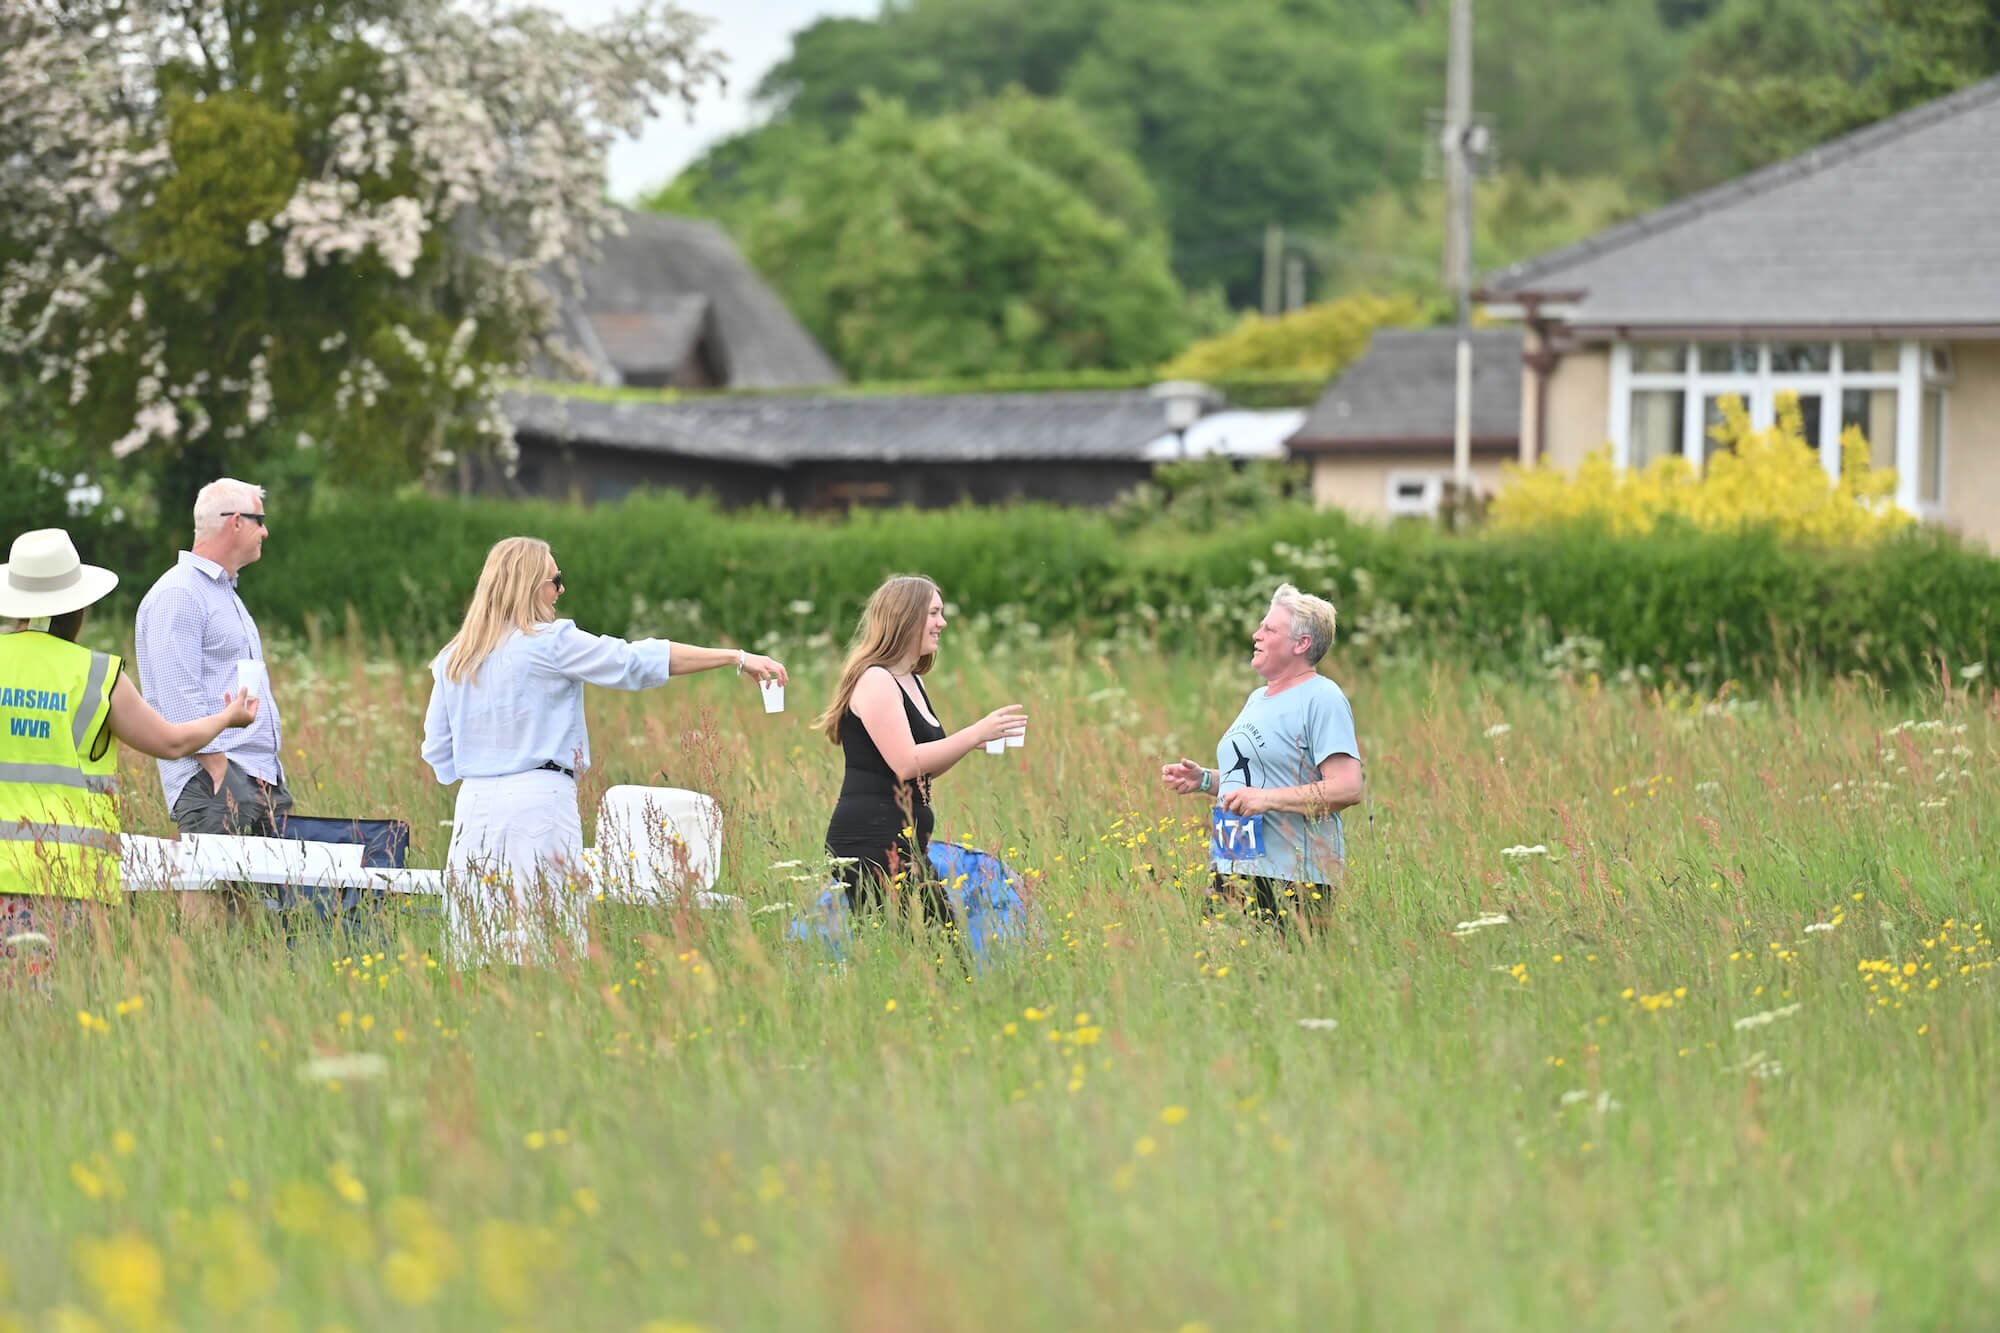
258,519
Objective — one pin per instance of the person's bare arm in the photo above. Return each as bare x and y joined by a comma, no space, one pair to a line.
139,725
1339,787
878,702
689,658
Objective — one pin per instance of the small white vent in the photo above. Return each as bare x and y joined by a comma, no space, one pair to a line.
1414,494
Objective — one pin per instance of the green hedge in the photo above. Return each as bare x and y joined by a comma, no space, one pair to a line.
660,563
1745,607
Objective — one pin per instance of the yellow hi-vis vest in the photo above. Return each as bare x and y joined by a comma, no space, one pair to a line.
58,769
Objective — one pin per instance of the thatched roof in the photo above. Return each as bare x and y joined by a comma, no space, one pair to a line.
671,289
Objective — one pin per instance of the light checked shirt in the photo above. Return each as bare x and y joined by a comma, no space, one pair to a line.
193,630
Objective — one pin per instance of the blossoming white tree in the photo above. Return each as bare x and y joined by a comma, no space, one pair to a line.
235,226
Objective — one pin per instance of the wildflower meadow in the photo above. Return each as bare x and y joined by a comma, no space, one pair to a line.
1642,1007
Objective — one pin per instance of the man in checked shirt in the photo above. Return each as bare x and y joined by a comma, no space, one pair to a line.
193,630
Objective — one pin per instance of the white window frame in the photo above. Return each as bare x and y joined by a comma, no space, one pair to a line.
1428,506
1907,476
1916,370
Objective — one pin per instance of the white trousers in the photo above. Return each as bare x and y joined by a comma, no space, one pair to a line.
513,893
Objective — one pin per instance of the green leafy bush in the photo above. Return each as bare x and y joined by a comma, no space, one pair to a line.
1321,339
1677,602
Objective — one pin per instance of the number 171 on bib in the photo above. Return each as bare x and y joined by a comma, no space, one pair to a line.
1235,837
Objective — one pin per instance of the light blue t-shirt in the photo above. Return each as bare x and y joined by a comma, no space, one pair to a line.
1280,742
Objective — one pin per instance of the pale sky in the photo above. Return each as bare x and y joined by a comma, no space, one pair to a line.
754,35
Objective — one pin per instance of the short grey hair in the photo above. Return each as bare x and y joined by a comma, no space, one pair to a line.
224,495
1312,618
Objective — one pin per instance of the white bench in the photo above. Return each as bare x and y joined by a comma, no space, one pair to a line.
653,845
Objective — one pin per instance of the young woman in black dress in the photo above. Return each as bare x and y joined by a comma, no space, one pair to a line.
882,719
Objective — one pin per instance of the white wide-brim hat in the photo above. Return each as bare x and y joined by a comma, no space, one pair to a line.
44,577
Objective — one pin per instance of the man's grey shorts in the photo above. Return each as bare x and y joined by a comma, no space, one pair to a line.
245,806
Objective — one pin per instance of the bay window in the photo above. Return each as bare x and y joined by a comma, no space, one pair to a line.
1666,399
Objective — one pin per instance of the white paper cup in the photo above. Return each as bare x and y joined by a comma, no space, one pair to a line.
774,696
1016,742
996,747
250,678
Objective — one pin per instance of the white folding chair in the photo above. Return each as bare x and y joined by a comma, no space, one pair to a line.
657,843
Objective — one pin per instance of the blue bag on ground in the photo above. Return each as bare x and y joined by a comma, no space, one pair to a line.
985,898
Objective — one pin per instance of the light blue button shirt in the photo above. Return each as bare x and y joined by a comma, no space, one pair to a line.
525,707
192,631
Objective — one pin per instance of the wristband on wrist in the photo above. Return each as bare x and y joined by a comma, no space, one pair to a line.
740,659
1205,775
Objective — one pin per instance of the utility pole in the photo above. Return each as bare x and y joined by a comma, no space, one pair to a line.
1458,134
1274,258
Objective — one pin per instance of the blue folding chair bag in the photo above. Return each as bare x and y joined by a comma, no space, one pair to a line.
985,896
385,844
986,893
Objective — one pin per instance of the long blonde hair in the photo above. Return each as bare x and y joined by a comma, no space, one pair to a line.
891,628
503,602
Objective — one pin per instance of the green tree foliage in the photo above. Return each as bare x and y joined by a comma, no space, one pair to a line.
993,241
1571,89
1246,115
1768,79
242,236
933,55
1241,115
1394,239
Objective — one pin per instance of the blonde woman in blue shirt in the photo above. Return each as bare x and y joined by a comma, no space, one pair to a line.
506,722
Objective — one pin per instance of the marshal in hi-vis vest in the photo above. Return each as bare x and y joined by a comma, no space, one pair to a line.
58,769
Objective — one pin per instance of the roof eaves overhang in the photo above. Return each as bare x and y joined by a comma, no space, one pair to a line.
1633,331
1397,444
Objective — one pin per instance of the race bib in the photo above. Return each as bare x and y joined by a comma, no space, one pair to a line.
1235,837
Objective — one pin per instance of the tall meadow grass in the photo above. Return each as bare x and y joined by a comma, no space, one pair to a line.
1639,1009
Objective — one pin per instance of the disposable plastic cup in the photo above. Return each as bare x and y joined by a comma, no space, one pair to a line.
774,697
250,678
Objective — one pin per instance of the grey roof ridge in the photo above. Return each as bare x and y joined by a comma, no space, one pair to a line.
1831,153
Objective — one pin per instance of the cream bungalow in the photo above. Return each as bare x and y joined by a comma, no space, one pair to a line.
1863,277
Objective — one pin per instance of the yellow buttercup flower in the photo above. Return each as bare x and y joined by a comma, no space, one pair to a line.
127,1275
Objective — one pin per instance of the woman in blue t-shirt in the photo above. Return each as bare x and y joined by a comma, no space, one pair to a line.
1285,769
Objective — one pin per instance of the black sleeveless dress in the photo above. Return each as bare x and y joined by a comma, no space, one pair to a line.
873,810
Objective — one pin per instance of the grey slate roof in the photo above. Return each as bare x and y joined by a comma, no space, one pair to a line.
1891,227
1402,392
644,285
778,430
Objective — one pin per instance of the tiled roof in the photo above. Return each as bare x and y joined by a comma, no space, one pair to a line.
777,430
1403,392
1890,227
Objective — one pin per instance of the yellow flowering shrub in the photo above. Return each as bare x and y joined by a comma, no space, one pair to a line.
1755,478
1323,338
